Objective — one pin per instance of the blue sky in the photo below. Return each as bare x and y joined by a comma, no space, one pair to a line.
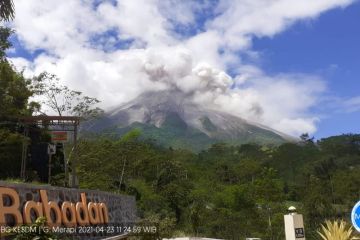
290,65
328,46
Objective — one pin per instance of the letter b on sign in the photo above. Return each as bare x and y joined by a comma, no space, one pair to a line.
12,209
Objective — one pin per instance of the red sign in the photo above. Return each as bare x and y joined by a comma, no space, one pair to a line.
59,136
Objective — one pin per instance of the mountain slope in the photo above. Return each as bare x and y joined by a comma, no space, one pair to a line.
173,120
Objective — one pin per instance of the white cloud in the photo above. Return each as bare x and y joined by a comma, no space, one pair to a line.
276,101
240,19
55,26
139,19
157,57
351,105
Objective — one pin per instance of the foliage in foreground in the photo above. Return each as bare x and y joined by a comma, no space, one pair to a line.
229,192
336,230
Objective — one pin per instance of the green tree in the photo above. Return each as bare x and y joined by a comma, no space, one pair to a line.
317,205
63,100
14,88
7,10
14,103
234,214
4,41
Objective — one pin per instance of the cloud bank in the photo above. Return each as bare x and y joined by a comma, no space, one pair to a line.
115,50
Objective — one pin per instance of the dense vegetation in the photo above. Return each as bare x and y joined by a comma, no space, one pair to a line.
175,132
14,94
228,191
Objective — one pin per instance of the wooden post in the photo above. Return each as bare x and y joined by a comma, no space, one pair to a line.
65,167
49,177
74,160
24,155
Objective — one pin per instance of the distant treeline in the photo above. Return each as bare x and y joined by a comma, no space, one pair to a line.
229,192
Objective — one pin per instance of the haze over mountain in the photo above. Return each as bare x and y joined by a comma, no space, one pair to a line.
172,119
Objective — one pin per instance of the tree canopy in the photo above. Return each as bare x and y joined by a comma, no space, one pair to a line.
7,10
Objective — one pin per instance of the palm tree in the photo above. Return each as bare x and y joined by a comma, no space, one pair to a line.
7,10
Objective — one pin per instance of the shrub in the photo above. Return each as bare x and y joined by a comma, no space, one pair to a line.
336,230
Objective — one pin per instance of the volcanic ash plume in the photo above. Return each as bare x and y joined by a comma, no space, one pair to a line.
202,83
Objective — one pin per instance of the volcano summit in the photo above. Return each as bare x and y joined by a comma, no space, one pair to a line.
172,119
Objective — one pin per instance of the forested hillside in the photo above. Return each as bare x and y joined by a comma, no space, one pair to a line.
228,191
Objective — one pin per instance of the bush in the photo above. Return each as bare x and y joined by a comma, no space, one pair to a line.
336,230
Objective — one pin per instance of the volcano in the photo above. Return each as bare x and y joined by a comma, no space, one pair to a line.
173,120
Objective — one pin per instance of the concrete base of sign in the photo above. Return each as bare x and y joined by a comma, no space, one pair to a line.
121,208
294,227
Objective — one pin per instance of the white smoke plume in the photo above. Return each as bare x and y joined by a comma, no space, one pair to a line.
115,50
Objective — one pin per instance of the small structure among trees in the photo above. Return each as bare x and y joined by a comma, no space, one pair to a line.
25,127
53,124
